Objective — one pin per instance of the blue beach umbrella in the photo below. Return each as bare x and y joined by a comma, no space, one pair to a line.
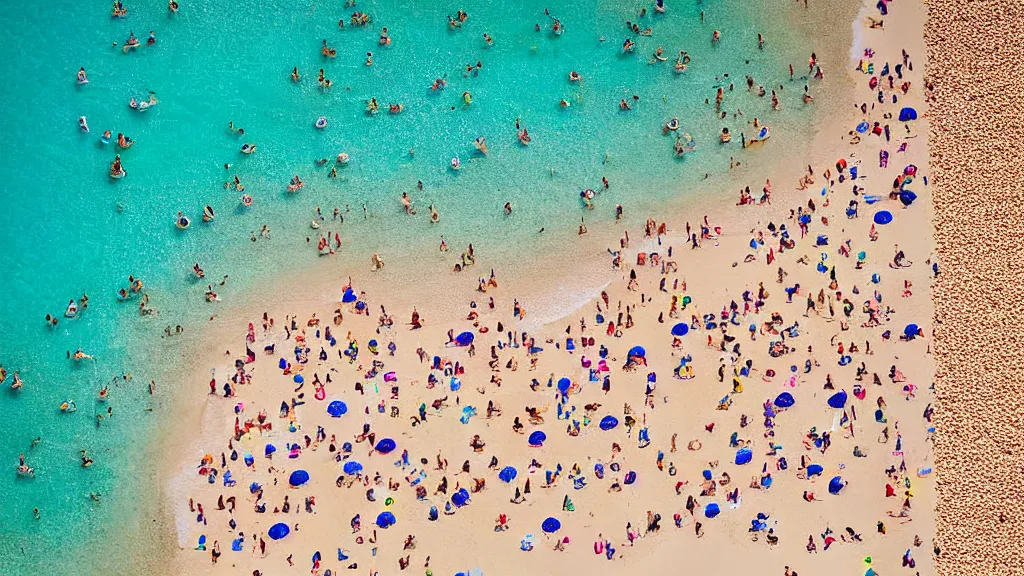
551,525
507,474
838,400
784,400
707,474
270,449
908,114
608,422
835,485
385,519
352,467
385,445
564,384
460,498
278,531
712,510
348,296
537,438
815,470
883,217
911,330
907,197
681,329
337,408
744,456
637,351
464,339
298,478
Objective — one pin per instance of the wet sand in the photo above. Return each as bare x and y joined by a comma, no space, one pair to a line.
977,168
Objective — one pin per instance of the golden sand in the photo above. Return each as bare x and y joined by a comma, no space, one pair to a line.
978,168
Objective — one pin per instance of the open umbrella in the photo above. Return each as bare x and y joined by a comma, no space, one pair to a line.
784,400
637,351
385,519
911,331
298,379
352,467
298,478
537,438
883,217
460,498
507,474
680,329
838,400
908,114
744,456
278,531
337,408
551,525
815,470
836,485
712,510
608,422
385,445
348,296
270,449
564,384
464,339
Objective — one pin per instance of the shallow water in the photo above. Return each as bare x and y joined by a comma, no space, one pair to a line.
71,230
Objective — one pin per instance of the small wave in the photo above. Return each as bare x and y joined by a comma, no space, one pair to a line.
560,303
859,42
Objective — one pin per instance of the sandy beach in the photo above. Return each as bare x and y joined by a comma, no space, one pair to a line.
779,404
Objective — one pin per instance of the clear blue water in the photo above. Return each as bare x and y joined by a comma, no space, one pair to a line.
70,230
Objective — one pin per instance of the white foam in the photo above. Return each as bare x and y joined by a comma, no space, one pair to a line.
212,424
859,41
558,304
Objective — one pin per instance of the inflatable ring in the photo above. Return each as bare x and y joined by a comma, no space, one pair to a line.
321,122
484,329
694,445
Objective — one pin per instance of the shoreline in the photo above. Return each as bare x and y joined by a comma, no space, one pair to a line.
823,162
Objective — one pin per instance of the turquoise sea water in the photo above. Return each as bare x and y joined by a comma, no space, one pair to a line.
71,230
